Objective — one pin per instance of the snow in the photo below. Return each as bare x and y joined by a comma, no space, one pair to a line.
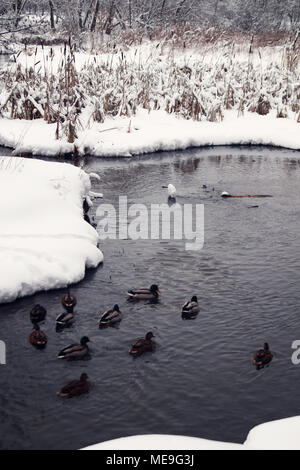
276,435
44,241
149,98
150,132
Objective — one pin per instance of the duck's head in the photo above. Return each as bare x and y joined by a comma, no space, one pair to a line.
266,347
149,336
194,299
116,308
84,378
155,289
85,340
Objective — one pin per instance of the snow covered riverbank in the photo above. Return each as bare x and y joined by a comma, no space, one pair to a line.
283,434
149,98
44,241
147,133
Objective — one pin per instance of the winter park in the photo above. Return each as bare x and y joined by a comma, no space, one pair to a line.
150,220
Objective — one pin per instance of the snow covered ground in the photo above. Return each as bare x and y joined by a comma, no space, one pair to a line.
44,241
276,435
149,98
147,133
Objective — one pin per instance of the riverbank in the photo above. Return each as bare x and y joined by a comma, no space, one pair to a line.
45,243
148,133
149,97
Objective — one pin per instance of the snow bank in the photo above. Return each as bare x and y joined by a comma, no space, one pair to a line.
151,132
276,435
44,241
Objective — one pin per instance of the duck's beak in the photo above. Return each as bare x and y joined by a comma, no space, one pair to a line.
158,290
91,341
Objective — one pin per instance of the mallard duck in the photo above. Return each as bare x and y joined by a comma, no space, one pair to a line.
144,294
262,357
64,320
110,317
75,388
191,307
75,351
142,345
38,314
69,302
37,337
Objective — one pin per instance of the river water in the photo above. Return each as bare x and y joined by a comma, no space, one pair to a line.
200,381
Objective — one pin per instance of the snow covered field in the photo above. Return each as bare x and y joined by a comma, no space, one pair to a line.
44,241
277,435
149,98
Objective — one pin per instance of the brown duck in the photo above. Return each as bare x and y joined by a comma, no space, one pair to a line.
38,314
142,345
69,302
75,388
37,337
262,357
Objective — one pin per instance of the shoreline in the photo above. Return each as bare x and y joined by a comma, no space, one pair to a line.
147,133
50,248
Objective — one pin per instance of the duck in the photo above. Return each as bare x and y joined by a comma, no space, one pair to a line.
144,294
38,314
69,302
225,194
142,345
64,320
37,337
110,317
75,388
262,357
191,307
75,351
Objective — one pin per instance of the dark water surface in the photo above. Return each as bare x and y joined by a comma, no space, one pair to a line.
200,381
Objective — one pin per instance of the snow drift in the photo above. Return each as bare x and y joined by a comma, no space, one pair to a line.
44,241
276,435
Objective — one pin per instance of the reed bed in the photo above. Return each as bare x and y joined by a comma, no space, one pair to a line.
200,86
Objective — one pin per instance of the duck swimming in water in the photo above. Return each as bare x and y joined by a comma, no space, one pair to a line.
144,294
75,388
142,345
64,320
37,337
38,314
110,317
75,351
262,357
69,302
191,308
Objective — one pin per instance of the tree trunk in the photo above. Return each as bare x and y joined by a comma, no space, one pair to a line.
130,13
89,11
52,21
97,8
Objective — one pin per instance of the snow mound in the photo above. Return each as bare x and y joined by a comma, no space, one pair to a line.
44,241
276,435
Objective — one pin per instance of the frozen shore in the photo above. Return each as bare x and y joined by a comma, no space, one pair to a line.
44,241
150,132
276,435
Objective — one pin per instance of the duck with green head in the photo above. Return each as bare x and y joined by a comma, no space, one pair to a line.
110,317
144,294
75,351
